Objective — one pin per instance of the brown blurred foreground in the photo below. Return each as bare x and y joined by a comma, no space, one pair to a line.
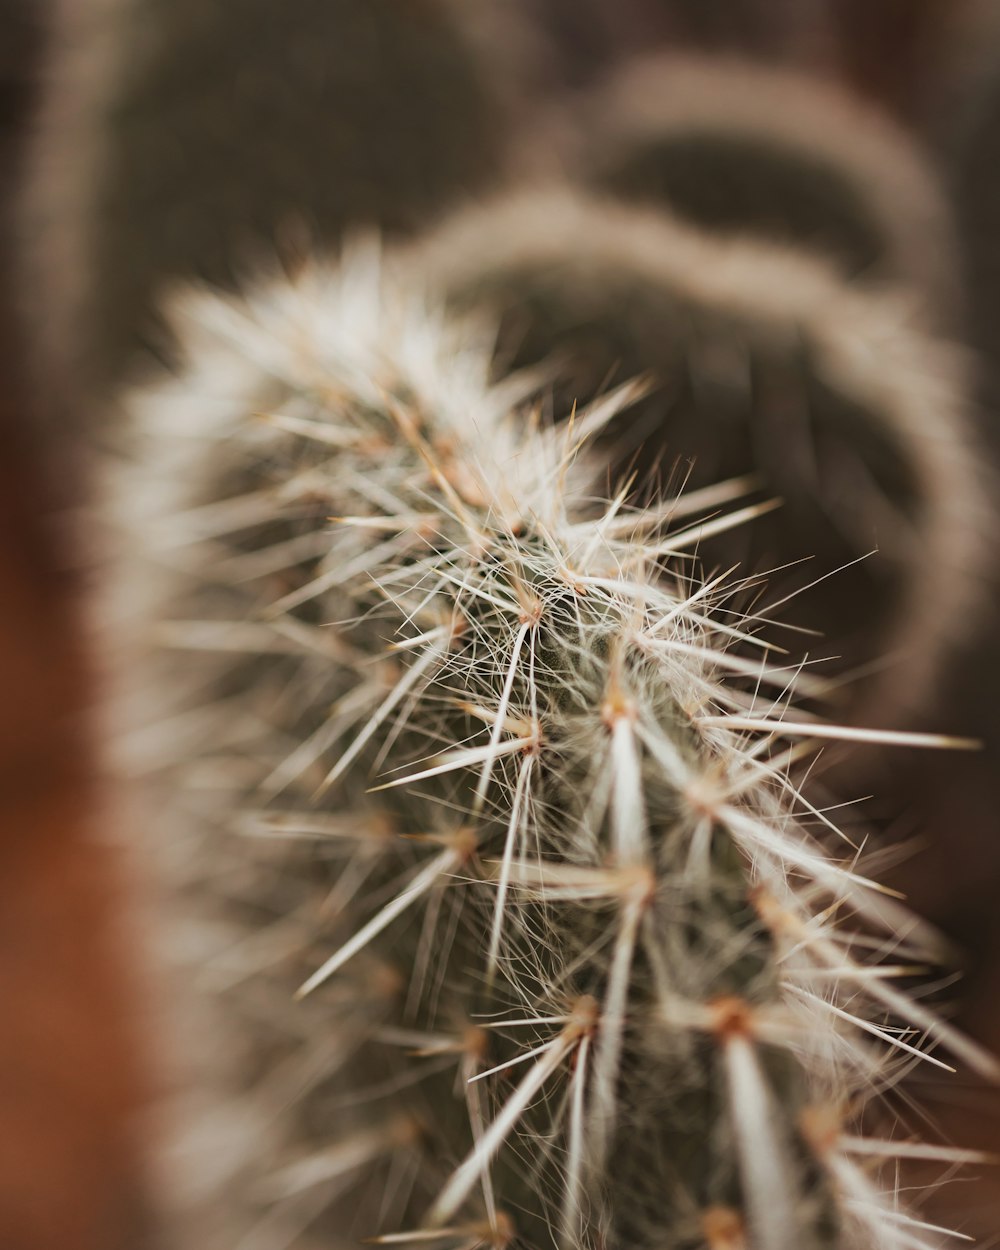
69,1173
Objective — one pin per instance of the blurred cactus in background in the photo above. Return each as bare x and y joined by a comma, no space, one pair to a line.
763,361
769,153
185,140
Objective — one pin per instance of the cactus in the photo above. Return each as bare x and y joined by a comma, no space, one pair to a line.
180,140
520,929
765,361
776,155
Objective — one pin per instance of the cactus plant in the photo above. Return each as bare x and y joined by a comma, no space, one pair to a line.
518,924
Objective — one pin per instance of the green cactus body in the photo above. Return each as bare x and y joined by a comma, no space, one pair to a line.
524,933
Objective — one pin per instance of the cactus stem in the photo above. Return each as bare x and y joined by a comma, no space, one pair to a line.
614,970
439,867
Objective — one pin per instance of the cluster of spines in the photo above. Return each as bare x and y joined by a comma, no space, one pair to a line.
623,941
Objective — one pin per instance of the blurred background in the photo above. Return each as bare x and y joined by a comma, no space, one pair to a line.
146,141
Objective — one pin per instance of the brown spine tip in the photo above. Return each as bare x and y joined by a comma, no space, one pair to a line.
822,1127
730,1018
723,1229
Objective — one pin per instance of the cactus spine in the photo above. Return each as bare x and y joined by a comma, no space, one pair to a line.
504,794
